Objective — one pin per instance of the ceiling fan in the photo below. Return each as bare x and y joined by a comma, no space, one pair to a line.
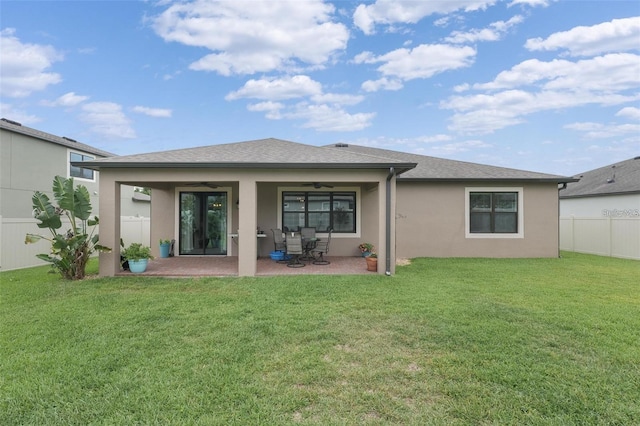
318,185
207,184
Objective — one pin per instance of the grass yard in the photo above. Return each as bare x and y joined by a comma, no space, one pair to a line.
444,341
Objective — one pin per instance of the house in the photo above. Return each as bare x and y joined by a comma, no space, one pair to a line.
29,160
600,214
215,199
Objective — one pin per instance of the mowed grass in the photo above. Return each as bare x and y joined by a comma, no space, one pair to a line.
444,341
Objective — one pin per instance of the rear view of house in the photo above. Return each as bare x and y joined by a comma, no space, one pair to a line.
214,200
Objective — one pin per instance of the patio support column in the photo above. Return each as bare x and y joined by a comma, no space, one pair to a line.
247,222
109,215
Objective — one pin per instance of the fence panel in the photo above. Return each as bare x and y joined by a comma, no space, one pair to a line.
15,254
607,236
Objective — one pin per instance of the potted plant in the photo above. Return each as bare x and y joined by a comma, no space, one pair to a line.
372,262
137,257
365,249
165,248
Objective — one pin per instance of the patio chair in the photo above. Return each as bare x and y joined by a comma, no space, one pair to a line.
295,250
279,244
278,241
321,248
308,241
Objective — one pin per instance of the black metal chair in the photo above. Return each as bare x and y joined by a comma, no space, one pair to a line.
295,250
321,248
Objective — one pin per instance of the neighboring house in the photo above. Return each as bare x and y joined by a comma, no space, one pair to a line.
212,200
29,160
600,214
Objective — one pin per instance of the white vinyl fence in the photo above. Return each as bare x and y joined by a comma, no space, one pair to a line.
605,236
15,254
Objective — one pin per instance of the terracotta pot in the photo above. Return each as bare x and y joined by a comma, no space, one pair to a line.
372,263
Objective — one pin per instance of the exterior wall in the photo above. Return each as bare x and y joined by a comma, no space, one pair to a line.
131,207
257,193
29,165
430,222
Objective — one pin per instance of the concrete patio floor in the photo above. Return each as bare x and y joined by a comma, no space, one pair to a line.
225,266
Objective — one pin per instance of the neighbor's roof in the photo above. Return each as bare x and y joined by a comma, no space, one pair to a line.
433,168
263,153
16,127
614,179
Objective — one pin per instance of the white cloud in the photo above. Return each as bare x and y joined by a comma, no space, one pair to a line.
534,86
614,36
271,109
486,113
422,61
605,131
543,3
67,100
615,71
629,112
494,32
382,84
327,118
247,37
388,12
107,119
274,89
24,66
10,112
153,112
322,111
337,98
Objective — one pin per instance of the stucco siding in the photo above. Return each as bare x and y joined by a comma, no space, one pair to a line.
30,165
430,222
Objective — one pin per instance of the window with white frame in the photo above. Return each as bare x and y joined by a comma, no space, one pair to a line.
494,212
77,171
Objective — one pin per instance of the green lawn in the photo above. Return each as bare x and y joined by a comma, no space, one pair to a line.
444,341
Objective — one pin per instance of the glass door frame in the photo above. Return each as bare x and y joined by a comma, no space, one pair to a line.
224,239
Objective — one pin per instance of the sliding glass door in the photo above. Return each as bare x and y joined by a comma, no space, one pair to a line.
203,223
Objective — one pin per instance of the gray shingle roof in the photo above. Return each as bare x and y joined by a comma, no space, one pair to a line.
48,137
253,154
432,168
618,178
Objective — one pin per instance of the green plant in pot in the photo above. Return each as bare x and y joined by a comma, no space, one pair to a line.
165,248
372,262
137,256
366,249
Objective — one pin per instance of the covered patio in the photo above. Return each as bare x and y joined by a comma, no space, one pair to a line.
224,200
227,266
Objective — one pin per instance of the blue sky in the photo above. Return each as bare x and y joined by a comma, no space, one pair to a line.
542,85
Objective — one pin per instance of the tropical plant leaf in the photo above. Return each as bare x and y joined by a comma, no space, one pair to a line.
63,192
103,249
45,212
45,257
32,238
82,203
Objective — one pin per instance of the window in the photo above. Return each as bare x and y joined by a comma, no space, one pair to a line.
80,172
320,210
494,212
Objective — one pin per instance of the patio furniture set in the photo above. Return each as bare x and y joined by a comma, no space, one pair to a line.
294,248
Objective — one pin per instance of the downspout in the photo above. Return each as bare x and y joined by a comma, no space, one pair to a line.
387,271
564,186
